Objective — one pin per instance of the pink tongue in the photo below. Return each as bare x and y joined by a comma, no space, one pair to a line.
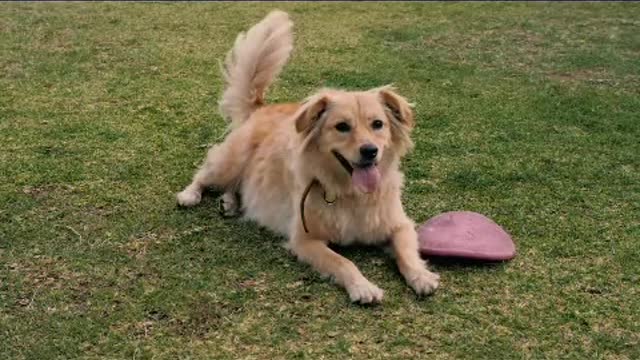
366,179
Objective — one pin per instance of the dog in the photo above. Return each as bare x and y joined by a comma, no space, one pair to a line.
323,171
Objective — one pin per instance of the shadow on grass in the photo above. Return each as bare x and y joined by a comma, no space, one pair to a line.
461,263
361,254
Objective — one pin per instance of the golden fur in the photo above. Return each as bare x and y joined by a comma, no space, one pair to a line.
274,152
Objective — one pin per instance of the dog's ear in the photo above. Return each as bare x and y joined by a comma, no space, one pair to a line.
400,114
310,113
397,107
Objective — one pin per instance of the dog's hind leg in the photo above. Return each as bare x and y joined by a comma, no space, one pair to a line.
221,170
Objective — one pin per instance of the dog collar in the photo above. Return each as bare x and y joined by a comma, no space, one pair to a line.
330,201
344,162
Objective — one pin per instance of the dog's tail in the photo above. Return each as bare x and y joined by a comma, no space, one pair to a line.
254,62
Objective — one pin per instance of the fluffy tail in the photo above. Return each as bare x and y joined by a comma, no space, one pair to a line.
254,62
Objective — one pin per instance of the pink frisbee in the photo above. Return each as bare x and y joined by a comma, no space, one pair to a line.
465,234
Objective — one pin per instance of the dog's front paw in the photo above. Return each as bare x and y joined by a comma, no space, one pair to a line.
365,292
188,197
424,282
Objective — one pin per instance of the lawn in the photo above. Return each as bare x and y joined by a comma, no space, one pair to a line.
526,112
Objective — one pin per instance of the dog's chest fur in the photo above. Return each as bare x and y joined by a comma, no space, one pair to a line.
344,222
349,222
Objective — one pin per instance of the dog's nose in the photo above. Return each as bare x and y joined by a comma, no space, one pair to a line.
368,151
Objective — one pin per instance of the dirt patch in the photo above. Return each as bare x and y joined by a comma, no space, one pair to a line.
43,191
58,42
584,75
206,314
13,70
138,246
43,274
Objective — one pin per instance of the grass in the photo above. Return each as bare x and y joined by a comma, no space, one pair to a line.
527,113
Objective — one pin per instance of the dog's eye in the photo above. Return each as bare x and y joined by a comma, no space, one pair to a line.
343,127
377,124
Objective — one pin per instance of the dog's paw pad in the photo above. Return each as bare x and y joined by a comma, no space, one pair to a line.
424,282
188,198
229,205
365,293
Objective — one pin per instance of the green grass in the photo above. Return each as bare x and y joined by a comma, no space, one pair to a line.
527,113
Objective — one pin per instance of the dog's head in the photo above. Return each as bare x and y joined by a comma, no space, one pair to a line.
358,135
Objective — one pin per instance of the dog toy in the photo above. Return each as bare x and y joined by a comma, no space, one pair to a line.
465,234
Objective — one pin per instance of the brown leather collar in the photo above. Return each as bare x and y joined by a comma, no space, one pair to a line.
344,162
304,198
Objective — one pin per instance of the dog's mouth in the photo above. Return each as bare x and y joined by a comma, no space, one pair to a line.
365,175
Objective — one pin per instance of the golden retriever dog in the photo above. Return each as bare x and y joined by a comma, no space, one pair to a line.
323,171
